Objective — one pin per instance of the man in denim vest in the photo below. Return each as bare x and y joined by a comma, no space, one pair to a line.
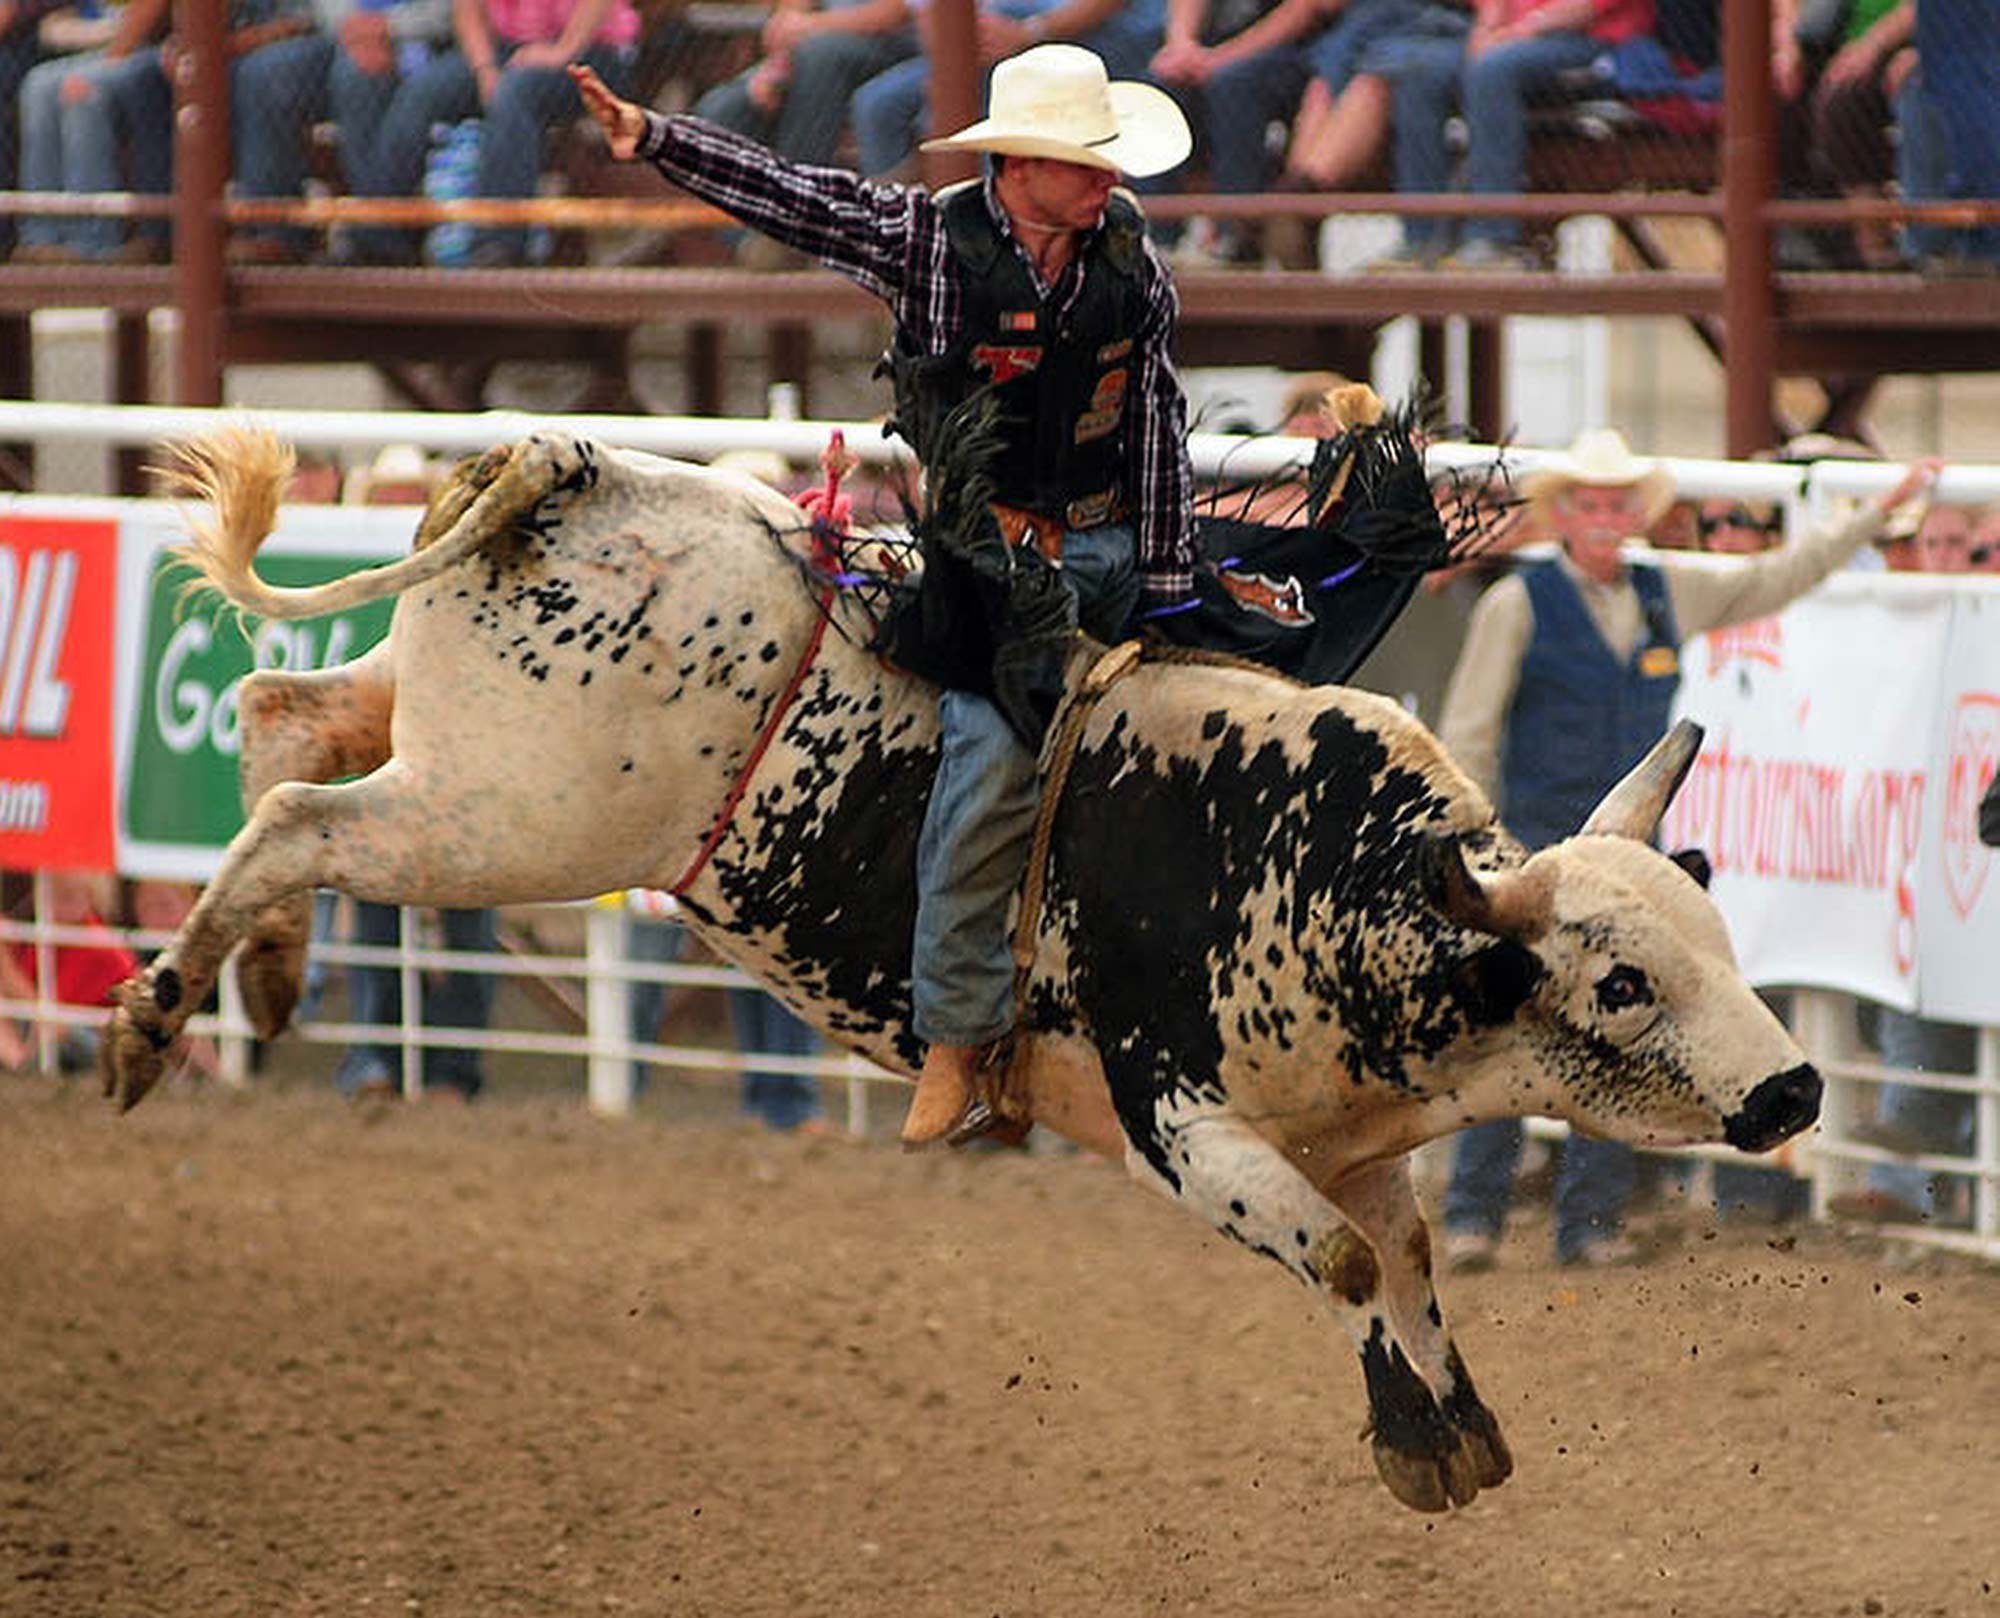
1567,676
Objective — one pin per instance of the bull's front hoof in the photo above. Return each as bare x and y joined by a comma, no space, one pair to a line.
133,1054
1429,1483
1481,1440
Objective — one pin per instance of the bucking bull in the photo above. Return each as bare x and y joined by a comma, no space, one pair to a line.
1283,939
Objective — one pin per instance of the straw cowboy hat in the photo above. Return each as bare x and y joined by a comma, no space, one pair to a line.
1057,101
1600,459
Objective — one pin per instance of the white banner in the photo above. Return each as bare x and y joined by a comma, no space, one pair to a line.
1825,795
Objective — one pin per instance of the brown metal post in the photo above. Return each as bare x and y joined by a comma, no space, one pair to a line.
1486,379
1749,170
201,169
953,44
131,383
17,381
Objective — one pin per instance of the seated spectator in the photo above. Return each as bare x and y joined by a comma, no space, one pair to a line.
1343,125
75,113
507,70
1958,62
1243,65
1849,117
20,49
1738,527
795,96
891,110
1984,556
85,974
1515,50
348,68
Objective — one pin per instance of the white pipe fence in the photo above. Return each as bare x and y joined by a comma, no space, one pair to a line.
1834,1158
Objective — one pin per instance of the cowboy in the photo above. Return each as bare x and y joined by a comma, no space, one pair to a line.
1566,678
1037,288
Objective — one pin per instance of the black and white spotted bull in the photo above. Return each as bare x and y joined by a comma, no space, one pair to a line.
1284,939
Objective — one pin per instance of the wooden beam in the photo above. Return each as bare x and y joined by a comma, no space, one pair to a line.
1749,175
201,170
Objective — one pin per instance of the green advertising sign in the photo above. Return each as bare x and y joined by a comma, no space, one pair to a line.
181,784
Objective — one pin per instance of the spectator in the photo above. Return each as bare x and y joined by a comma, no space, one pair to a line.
85,974
402,475
507,70
1984,556
892,109
764,1026
20,50
1909,1119
1243,64
1344,119
1045,254
795,96
1515,50
1738,527
74,114
348,67
1958,56
1567,674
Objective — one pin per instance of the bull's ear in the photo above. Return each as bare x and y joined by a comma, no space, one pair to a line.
1510,904
1695,863
1495,982
1634,806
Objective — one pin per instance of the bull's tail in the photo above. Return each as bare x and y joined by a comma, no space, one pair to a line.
243,473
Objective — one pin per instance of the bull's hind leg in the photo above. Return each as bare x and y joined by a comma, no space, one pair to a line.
376,838
1221,1168
1380,1202
313,727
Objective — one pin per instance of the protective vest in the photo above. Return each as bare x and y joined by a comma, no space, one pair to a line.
1581,718
1060,384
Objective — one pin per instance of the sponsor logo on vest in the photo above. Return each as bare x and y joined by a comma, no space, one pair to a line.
1005,361
1107,404
1281,601
1017,320
1975,750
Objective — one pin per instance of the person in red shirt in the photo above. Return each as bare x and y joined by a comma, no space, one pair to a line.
85,973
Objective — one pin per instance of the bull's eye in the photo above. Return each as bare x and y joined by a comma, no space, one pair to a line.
1623,987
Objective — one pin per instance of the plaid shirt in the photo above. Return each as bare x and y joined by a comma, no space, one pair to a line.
891,239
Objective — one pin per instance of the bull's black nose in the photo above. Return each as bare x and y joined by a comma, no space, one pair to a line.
1776,1110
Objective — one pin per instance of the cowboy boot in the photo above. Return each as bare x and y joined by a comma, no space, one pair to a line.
944,1092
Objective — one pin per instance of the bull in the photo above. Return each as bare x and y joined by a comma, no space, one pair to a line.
1283,938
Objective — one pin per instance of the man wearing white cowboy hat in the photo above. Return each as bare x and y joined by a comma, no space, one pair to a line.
1566,677
1035,287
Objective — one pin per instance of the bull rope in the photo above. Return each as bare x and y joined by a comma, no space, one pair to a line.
829,509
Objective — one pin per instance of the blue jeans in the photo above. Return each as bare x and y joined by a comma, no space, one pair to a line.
1240,103
980,819
827,69
1935,1120
75,146
1434,77
275,94
1592,1186
764,1025
388,160
1958,43
20,50
454,1000
891,108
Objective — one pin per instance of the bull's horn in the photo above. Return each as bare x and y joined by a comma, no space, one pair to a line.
1634,806
1508,904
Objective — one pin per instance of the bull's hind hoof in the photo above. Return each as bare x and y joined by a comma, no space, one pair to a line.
269,976
1428,1483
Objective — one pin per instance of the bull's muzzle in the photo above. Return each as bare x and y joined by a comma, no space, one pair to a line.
1776,1110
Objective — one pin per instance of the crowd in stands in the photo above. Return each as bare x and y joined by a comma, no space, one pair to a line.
1875,97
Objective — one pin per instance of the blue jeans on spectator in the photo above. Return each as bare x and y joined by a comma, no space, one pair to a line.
76,145
764,1025
890,109
826,71
1927,1120
454,1000
1958,46
1593,1184
275,93
979,821
389,160
20,50
1435,77
1240,103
